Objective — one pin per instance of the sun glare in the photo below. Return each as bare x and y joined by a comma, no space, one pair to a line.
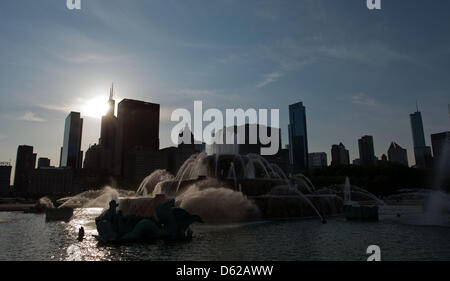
95,107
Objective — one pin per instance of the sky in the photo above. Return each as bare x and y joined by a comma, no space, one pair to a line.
357,71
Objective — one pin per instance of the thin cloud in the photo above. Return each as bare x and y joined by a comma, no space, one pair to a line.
3,137
201,45
31,117
362,99
53,107
373,54
88,58
235,58
269,78
290,55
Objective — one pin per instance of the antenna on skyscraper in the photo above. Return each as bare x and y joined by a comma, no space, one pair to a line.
417,106
111,92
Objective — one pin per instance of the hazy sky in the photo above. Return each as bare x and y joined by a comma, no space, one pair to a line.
357,71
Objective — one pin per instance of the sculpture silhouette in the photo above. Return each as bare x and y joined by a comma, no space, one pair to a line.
184,220
171,223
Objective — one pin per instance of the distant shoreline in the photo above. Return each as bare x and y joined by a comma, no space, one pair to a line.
15,207
23,207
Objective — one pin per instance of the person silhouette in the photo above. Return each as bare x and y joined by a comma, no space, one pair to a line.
110,215
81,234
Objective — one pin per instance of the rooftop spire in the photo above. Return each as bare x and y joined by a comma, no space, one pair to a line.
111,92
417,106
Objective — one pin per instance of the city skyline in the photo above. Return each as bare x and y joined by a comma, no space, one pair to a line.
290,69
108,131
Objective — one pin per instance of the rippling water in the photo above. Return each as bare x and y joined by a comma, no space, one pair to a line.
29,237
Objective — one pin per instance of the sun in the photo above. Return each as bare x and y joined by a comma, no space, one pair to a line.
95,107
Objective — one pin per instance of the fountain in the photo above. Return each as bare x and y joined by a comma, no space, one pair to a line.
436,202
41,206
232,187
355,211
437,205
349,192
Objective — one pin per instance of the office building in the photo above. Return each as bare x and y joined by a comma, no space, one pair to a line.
298,137
317,160
137,130
339,155
366,151
441,152
108,134
95,158
101,157
51,181
397,154
383,160
71,154
422,153
43,162
246,140
25,164
5,179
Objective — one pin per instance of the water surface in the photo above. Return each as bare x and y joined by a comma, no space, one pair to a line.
29,237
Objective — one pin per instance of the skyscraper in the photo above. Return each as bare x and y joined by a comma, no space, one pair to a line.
298,137
441,151
43,162
109,124
111,102
339,155
422,153
71,154
366,151
25,163
108,135
317,160
100,157
137,130
5,178
243,144
397,154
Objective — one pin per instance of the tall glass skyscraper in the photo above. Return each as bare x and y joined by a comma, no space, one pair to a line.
298,137
417,129
422,153
71,155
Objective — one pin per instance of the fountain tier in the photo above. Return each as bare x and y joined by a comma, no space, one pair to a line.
233,188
